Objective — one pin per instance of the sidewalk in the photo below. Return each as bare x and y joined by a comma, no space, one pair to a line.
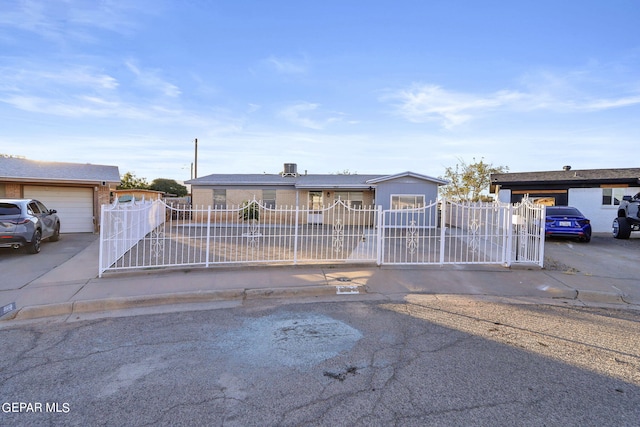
73,287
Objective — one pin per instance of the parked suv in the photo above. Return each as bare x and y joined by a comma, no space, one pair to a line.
628,218
26,222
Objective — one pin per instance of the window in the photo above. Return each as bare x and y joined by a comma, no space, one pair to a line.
220,199
407,201
9,209
43,208
612,196
33,208
352,199
269,198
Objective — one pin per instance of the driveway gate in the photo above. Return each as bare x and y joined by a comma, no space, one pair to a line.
139,235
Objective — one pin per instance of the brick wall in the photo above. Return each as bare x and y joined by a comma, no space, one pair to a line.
13,191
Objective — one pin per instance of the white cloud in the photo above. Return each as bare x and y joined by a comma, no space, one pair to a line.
431,103
150,80
308,115
61,21
425,103
287,66
294,114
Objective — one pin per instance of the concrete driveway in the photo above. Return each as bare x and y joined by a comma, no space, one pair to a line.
19,268
604,256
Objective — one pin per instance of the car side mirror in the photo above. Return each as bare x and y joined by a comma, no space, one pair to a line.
52,211
626,198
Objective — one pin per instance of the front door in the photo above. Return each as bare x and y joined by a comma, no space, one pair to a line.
315,208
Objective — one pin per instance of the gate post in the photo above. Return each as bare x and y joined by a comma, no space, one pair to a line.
101,248
206,263
379,236
509,245
443,221
543,220
295,236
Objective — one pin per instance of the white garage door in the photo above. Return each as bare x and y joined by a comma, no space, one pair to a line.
74,206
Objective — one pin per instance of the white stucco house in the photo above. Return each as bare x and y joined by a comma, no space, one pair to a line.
595,192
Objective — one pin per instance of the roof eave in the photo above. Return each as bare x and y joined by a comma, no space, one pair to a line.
55,181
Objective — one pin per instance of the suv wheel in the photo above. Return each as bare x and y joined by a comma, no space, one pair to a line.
34,247
621,228
56,234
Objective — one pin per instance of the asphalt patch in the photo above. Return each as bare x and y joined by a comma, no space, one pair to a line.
289,339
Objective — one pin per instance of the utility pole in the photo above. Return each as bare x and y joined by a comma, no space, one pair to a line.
195,169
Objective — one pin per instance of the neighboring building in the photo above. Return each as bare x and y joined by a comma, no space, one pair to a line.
595,192
400,191
137,194
75,190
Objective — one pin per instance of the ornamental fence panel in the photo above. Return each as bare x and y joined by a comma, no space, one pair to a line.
143,235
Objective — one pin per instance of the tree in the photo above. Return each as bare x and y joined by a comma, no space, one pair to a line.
250,211
468,181
168,186
129,180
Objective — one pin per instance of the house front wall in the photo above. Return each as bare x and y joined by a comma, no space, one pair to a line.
203,196
405,186
408,186
590,202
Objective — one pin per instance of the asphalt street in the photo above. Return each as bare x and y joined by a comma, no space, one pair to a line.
427,360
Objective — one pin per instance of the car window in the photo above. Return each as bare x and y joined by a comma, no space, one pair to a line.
42,207
33,208
7,209
563,211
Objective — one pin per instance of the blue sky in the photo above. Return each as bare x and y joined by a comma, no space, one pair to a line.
369,87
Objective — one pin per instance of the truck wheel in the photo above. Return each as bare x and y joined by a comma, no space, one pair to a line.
621,228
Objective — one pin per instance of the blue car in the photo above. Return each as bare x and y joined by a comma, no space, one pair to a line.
566,221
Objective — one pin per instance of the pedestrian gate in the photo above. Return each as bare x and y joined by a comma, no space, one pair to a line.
152,234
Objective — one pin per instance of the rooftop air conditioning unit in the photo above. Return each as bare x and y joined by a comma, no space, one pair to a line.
290,169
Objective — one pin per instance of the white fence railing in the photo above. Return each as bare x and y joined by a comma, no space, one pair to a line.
127,226
154,234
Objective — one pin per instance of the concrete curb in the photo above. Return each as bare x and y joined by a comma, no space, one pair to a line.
122,303
601,297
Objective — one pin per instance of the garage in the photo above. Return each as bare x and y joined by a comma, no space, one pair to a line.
74,205
75,190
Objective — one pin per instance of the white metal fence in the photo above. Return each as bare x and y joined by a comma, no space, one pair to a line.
153,234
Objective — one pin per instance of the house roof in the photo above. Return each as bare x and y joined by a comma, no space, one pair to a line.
24,170
628,175
408,174
304,181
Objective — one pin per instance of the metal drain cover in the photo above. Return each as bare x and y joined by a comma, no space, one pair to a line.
347,290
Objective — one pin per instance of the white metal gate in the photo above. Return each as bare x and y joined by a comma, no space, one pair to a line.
447,232
153,234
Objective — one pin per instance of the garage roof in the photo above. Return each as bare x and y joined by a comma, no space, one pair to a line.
19,169
590,176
